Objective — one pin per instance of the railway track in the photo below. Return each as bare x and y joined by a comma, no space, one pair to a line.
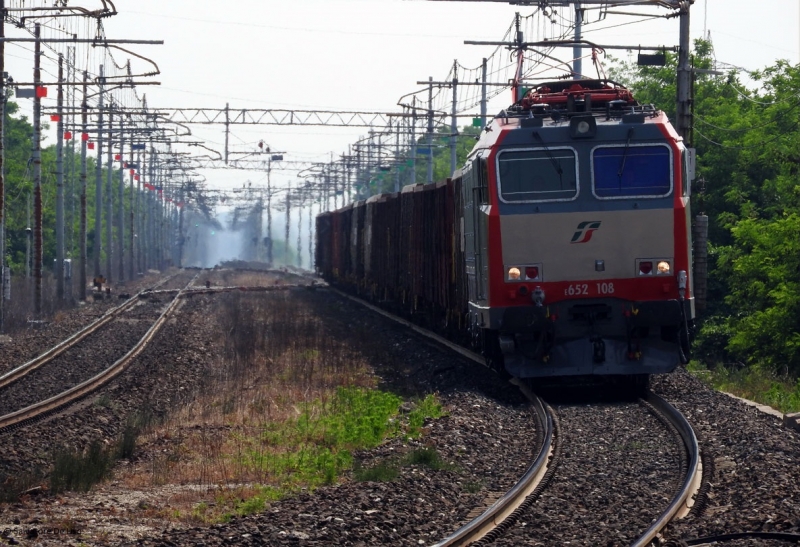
46,357
502,514
34,390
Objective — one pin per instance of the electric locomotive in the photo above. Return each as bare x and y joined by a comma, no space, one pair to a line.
576,233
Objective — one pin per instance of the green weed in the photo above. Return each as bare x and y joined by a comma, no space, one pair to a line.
752,383
381,472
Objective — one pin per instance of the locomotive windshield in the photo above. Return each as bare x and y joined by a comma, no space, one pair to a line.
632,171
548,174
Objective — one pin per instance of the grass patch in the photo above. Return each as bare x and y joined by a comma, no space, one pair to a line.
427,408
316,447
79,471
426,457
384,471
752,383
389,469
473,487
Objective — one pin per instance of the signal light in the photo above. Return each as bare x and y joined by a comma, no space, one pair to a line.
532,273
645,268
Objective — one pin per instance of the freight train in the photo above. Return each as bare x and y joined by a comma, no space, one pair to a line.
561,248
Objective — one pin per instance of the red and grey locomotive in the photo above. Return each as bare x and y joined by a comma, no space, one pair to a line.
563,245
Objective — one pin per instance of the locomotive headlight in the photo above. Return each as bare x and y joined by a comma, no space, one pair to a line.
663,267
582,127
514,274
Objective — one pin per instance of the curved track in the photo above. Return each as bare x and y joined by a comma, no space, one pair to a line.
516,496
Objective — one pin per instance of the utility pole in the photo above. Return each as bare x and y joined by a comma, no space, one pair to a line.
121,210
300,236
132,226
288,225
28,239
60,184
453,120
98,183
397,159
84,136
269,209
430,129
413,177
683,120
2,163
150,211
37,174
577,51
110,194
483,94
227,130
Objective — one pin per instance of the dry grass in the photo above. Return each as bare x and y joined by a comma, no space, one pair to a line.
278,362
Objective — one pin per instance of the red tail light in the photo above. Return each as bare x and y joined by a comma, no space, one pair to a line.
645,268
532,272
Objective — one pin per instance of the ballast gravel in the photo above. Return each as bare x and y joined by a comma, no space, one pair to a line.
487,439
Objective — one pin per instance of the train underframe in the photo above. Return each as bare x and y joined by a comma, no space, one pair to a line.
598,337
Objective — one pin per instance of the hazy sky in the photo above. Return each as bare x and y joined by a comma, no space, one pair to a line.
366,54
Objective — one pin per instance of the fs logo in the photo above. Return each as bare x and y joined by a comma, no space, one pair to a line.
585,230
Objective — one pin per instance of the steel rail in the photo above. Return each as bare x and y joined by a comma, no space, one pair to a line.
233,288
682,498
508,503
489,519
92,384
505,506
35,363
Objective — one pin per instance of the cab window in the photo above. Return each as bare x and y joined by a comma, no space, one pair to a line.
538,175
632,171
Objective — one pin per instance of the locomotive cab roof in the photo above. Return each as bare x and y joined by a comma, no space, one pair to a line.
567,98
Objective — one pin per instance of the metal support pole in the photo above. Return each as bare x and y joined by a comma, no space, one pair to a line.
311,236
37,177
483,94
82,236
430,130
97,245
396,159
288,224
60,184
150,208
139,215
577,51
28,238
110,197
269,211
121,209
684,114
227,130
300,236
134,202
2,164
454,121
413,178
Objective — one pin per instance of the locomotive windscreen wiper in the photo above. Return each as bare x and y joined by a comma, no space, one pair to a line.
624,156
553,160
